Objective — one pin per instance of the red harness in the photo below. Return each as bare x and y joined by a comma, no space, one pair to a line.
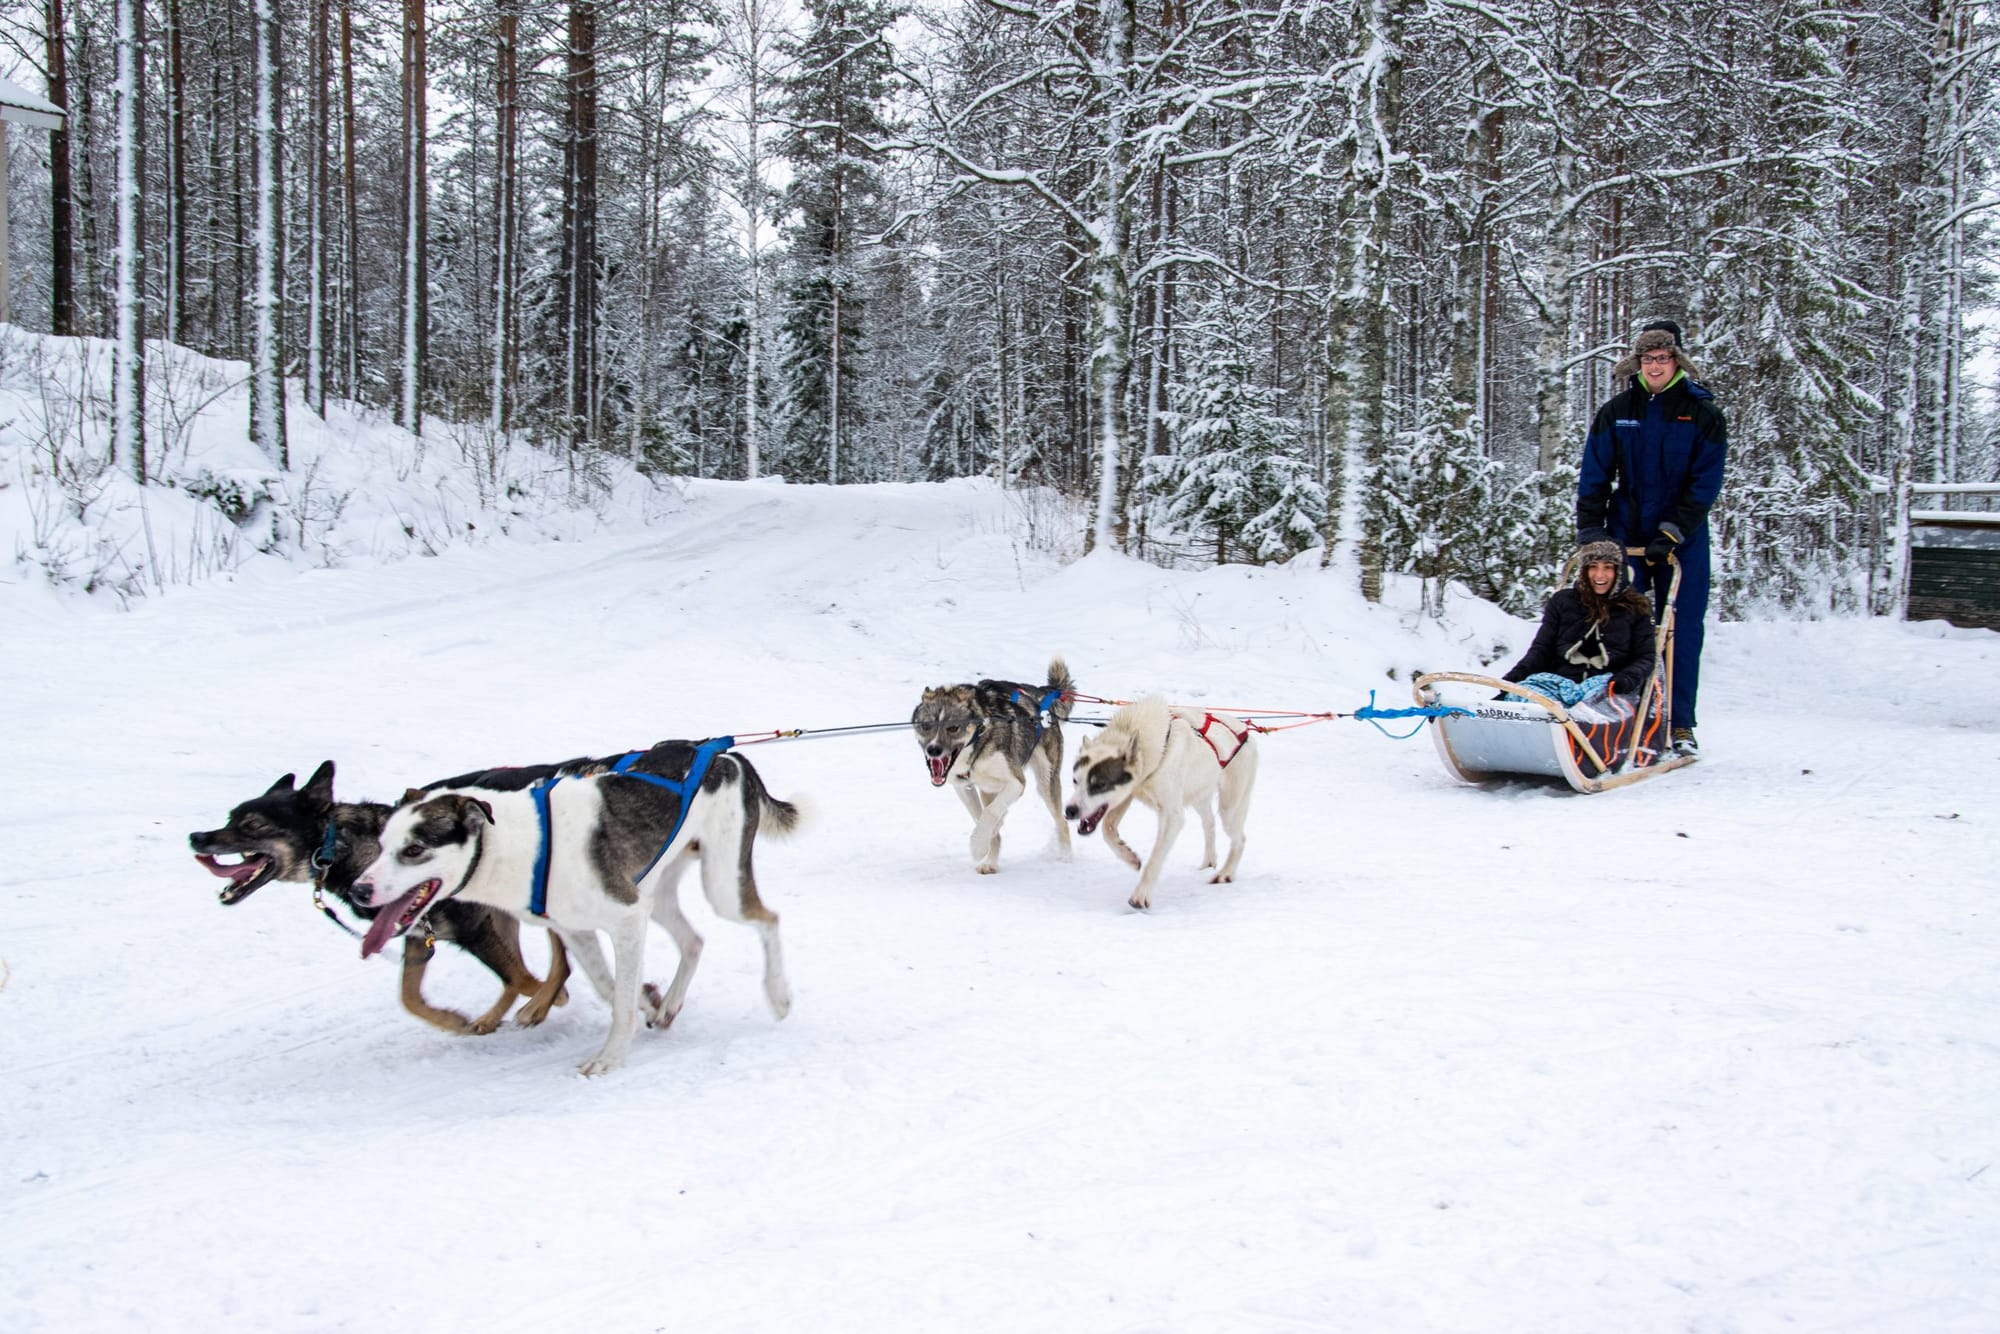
1240,739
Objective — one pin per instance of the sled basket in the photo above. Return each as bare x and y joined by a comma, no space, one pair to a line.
1593,747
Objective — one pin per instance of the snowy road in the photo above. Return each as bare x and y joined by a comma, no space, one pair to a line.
1720,1052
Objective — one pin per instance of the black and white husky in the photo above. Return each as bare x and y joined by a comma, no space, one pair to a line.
609,867
985,738
1169,759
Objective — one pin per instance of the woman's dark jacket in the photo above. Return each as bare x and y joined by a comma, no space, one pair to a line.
1623,645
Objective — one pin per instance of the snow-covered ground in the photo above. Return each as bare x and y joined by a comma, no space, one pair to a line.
1720,1052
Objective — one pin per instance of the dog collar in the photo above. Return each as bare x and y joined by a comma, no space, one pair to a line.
322,864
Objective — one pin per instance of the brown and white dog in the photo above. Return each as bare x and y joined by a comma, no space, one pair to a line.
302,835
1169,759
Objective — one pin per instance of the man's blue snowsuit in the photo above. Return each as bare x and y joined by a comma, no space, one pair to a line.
1653,459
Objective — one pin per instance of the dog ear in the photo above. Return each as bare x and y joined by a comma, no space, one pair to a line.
484,809
282,785
412,797
320,786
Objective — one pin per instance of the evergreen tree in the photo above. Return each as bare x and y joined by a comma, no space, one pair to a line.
836,100
1237,469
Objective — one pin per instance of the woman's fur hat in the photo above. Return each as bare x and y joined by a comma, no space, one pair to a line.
1598,553
1659,334
1622,593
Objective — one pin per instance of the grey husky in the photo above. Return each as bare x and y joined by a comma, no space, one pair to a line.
613,848
985,738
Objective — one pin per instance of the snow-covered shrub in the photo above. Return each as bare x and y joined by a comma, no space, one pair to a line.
1237,470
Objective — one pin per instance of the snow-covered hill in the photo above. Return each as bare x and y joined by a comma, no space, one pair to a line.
358,488
1715,1053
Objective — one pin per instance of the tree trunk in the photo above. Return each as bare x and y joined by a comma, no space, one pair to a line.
1110,290
506,197
175,142
414,313
267,358
1556,314
580,229
319,168
128,355
350,267
1382,102
62,289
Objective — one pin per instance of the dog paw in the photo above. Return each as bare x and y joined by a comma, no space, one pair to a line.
1220,878
599,1064
781,1004
534,1012
986,868
484,1025
1141,901
657,1013
1129,857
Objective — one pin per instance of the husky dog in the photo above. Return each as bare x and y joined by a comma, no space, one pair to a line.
610,867
984,739
278,835
1169,759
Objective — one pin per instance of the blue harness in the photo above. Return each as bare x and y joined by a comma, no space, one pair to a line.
1045,707
684,788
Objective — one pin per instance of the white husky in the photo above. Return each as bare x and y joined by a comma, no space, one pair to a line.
598,845
1168,758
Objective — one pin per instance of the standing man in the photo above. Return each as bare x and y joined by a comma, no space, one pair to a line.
1652,466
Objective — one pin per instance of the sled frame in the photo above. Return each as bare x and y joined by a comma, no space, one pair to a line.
1566,738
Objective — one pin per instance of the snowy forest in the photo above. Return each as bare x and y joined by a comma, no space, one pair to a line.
1244,281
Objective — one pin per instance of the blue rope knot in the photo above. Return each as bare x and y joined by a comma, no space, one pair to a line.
1368,713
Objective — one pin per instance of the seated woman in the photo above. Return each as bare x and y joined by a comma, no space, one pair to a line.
1594,637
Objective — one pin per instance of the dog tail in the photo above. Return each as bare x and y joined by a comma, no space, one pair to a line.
774,817
1059,679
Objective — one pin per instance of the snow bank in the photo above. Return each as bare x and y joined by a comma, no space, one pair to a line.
358,488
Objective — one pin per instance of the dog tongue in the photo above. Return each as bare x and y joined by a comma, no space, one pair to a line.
940,766
235,874
387,924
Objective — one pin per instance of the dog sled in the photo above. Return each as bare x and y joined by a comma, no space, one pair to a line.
1593,746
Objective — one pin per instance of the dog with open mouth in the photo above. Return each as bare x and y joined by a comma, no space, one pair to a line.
599,851
985,739
1169,759
301,835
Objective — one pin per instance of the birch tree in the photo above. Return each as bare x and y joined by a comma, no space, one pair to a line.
413,313
747,48
128,352
267,358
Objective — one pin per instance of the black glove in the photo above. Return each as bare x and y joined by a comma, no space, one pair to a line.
1662,546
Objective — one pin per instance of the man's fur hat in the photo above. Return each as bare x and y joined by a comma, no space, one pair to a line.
1660,334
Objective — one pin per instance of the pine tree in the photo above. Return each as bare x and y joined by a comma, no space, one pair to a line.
1237,469
836,101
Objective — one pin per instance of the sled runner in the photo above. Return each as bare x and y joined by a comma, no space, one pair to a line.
1594,746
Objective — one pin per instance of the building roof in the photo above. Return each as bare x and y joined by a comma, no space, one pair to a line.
22,107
